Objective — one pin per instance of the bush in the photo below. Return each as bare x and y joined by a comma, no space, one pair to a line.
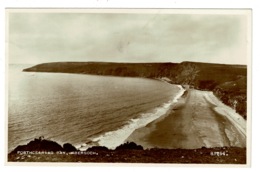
129,145
98,148
39,145
69,147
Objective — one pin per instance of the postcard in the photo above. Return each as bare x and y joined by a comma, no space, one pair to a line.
162,86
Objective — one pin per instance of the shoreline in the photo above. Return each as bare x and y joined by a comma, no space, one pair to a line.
232,154
114,138
194,122
229,113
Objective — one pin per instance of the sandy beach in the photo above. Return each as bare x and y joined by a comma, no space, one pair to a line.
197,120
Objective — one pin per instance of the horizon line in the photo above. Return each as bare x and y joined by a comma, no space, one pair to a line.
126,62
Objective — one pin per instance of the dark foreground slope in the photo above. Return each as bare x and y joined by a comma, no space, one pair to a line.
228,82
49,151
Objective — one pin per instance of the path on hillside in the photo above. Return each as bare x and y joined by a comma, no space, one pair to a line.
198,120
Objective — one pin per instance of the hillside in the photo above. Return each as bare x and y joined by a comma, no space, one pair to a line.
228,82
150,70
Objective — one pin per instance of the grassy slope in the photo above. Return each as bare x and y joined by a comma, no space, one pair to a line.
228,83
149,70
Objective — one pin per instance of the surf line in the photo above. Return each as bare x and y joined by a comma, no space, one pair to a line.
112,139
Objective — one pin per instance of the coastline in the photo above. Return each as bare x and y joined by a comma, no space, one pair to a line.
136,154
194,122
234,154
114,138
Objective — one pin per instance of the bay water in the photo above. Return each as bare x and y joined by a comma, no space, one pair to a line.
83,110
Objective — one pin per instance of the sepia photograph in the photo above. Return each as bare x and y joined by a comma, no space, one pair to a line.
167,86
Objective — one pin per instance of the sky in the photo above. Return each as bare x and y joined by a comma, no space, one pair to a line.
127,37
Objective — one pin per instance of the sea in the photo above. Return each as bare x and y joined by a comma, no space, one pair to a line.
84,110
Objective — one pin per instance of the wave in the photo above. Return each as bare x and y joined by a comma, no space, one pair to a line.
112,139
